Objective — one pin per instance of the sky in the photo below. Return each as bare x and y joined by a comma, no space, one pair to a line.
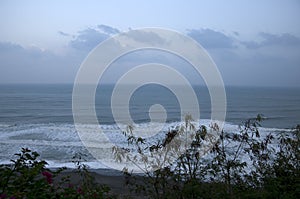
253,43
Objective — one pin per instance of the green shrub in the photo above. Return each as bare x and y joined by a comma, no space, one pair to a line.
27,177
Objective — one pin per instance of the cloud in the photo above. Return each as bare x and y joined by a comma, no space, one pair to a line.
6,47
87,39
268,39
146,37
108,29
236,33
9,50
272,61
211,39
63,34
30,65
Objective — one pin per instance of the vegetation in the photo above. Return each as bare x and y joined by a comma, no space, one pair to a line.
223,165
242,164
28,177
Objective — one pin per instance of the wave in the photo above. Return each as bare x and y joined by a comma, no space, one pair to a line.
58,143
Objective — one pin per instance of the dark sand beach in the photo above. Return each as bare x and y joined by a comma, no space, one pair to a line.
115,180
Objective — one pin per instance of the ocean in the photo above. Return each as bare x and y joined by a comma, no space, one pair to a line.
40,116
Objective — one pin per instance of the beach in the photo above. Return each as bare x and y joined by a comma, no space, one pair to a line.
115,180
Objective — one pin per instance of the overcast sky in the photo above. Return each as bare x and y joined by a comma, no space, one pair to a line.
253,43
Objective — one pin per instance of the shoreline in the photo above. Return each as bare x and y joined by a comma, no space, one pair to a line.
100,171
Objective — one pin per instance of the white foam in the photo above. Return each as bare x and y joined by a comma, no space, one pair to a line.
4,125
63,141
90,164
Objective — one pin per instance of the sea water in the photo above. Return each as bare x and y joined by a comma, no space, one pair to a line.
40,116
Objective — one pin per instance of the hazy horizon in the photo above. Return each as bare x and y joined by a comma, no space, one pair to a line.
113,84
